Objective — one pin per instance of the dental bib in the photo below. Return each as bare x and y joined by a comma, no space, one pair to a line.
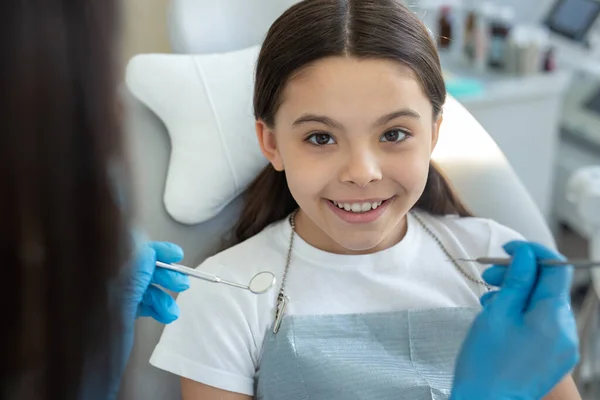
406,355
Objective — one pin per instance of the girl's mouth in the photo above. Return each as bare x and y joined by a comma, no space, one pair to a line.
359,207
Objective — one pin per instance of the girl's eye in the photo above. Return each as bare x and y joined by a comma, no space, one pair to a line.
394,135
320,139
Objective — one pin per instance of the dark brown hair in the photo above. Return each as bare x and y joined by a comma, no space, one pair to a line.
315,29
62,239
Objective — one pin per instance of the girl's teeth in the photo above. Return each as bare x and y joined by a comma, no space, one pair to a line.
358,207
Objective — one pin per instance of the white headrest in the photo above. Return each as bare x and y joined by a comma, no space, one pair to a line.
209,26
205,101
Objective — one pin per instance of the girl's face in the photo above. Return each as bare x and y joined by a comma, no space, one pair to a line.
354,138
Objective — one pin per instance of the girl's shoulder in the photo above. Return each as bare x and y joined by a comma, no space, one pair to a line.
217,339
476,235
251,256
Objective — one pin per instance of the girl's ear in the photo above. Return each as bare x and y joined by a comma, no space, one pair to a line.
268,144
435,131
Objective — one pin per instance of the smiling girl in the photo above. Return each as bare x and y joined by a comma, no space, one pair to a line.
354,219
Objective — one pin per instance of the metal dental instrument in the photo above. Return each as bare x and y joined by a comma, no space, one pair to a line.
259,284
579,264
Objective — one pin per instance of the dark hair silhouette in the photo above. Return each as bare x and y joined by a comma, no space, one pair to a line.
62,241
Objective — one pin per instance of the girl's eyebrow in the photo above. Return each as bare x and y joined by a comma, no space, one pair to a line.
405,112
322,119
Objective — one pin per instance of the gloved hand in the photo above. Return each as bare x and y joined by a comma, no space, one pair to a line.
525,341
142,297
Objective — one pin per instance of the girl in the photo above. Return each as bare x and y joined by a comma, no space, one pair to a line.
354,219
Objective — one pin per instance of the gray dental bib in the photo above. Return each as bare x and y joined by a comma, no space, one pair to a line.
406,355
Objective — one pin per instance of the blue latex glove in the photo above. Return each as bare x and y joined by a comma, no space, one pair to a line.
525,341
143,298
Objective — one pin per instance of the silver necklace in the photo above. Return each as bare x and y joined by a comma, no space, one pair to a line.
283,300
447,253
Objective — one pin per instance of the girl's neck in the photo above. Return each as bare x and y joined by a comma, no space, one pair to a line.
316,237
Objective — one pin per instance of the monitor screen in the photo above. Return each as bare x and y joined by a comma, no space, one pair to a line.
573,18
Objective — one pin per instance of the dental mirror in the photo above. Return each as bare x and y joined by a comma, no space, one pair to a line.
259,284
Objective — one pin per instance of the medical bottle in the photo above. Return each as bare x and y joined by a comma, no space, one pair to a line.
483,14
445,28
469,35
500,27
549,60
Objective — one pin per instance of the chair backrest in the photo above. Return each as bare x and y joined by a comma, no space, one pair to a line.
466,153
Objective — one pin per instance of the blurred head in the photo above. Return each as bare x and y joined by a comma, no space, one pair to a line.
62,236
348,103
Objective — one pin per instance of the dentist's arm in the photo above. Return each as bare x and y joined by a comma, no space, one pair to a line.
142,298
524,343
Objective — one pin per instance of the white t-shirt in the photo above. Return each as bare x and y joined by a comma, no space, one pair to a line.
218,337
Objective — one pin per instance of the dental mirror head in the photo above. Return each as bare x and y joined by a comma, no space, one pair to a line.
259,284
262,282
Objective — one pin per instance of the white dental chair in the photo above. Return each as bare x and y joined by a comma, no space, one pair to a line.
170,202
